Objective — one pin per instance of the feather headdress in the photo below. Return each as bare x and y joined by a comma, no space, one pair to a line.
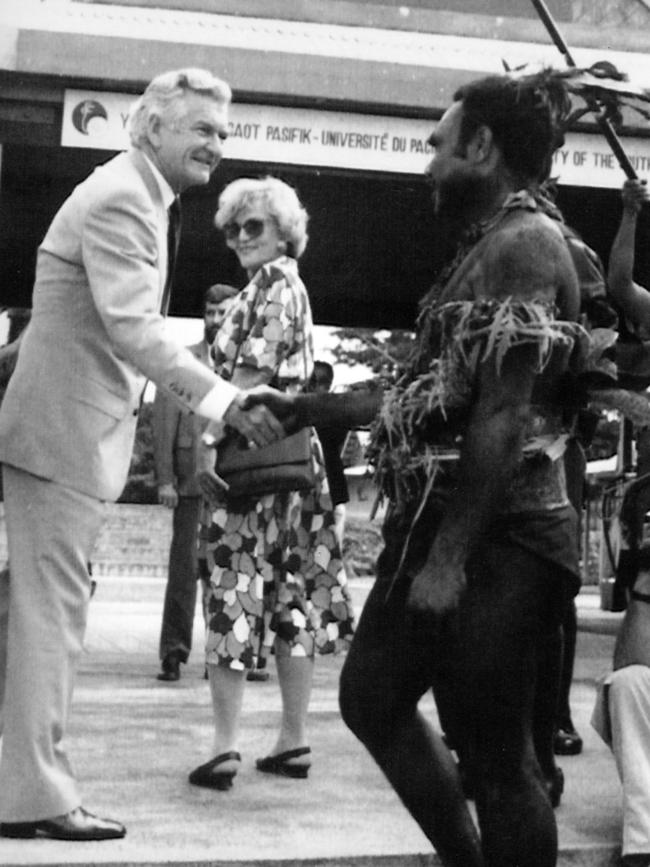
602,88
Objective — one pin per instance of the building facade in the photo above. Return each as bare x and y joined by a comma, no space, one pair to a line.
336,97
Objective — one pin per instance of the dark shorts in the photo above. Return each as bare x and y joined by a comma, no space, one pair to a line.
551,536
481,659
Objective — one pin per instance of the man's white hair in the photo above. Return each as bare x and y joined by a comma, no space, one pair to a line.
168,89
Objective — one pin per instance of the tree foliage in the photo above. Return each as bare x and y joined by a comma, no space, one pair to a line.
381,351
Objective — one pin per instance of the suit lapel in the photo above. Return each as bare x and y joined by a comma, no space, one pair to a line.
144,170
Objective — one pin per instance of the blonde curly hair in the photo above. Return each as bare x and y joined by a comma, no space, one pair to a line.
280,202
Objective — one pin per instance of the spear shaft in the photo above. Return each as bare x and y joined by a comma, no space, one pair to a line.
605,126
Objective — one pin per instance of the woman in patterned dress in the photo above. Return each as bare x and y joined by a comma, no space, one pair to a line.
275,574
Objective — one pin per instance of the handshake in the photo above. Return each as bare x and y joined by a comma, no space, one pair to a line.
263,415
296,411
285,407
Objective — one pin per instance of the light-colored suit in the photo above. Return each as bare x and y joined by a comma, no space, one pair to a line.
69,413
67,425
622,715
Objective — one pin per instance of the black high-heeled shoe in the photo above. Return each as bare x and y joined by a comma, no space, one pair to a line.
210,777
282,765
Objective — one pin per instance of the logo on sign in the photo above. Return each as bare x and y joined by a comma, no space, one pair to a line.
85,112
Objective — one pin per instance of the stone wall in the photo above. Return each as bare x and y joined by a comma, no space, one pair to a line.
134,541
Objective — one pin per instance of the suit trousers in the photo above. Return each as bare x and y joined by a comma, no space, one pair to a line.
629,711
51,533
180,593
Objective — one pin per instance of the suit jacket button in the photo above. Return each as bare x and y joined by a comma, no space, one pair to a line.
135,411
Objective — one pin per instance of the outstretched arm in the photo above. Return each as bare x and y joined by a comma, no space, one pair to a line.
633,298
349,410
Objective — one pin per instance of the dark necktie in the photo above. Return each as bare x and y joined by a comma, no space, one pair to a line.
173,238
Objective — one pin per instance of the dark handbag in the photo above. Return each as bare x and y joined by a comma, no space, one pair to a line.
285,465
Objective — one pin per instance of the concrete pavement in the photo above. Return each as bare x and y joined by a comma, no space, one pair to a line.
133,741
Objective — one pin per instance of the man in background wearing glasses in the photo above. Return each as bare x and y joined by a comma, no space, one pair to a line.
68,421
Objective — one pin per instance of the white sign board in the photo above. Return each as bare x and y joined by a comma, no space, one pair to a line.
335,139
587,161
270,134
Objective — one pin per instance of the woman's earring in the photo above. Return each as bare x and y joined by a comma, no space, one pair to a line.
282,246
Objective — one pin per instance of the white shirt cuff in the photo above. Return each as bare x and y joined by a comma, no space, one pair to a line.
216,402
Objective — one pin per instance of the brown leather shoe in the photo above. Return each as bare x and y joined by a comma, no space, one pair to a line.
78,824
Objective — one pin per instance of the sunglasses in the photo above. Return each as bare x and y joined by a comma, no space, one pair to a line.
253,228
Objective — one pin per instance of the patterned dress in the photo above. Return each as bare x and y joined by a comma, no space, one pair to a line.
273,566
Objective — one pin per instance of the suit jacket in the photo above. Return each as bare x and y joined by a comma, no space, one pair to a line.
96,334
177,437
